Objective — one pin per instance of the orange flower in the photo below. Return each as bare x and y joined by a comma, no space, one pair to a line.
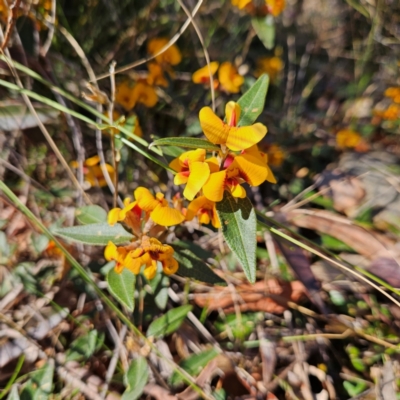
128,96
348,138
275,155
275,7
156,75
392,113
248,167
393,93
269,65
124,95
205,211
240,3
93,172
202,75
193,169
229,78
171,56
229,134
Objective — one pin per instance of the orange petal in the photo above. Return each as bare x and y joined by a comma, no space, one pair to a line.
145,200
216,223
199,173
150,271
166,216
253,170
214,187
213,127
202,75
213,164
195,206
246,136
110,252
176,164
270,176
204,218
238,191
170,266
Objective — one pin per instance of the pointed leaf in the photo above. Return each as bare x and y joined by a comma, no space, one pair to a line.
95,234
91,214
13,395
191,266
187,142
122,287
83,347
265,30
239,225
136,379
252,102
169,322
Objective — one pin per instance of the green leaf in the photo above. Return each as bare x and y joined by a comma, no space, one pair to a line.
194,364
169,322
252,102
265,30
92,214
239,225
95,234
136,379
39,386
13,395
83,347
39,242
188,142
190,266
122,287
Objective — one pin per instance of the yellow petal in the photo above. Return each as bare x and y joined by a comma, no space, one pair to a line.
113,216
204,218
150,271
246,136
229,79
199,173
145,200
270,176
192,156
216,223
195,206
232,113
238,191
213,164
133,263
176,164
110,252
202,75
170,266
214,187
166,216
92,161
240,3
253,170
213,127
180,178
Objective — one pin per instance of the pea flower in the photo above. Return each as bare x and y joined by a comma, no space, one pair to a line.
171,56
128,96
392,113
229,134
240,3
229,78
93,172
124,95
393,93
248,167
156,75
202,75
275,7
348,138
269,65
193,169
205,211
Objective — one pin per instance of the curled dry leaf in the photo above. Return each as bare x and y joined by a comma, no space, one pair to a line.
271,296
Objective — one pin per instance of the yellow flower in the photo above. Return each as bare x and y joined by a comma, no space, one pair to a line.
150,251
156,75
276,155
248,167
157,208
171,56
240,3
193,169
229,134
275,7
124,95
117,254
202,75
348,138
205,211
392,113
93,172
393,93
229,78
269,65
4,9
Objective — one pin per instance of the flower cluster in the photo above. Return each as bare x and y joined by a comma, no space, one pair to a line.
392,112
273,7
238,161
146,216
93,172
229,80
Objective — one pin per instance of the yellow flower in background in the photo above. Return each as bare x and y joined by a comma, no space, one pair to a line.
348,138
156,75
117,254
93,172
393,93
193,170
229,78
240,3
392,113
275,7
276,155
234,137
124,95
248,167
269,65
202,75
157,208
171,56
205,211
